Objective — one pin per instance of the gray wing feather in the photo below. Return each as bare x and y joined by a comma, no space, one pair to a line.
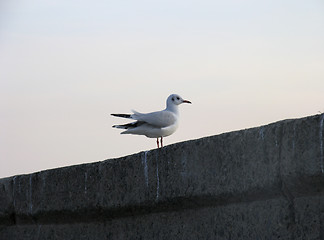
158,119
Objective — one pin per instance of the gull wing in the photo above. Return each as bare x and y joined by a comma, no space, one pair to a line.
158,119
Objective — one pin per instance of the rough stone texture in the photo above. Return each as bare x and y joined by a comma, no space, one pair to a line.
259,183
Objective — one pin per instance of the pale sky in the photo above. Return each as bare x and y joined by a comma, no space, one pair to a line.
66,65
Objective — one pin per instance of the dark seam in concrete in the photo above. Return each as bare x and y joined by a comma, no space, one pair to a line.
174,205
13,214
321,132
157,178
283,187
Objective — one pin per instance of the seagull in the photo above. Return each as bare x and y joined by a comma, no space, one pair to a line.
155,124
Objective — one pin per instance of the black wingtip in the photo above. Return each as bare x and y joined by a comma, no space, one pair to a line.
121,115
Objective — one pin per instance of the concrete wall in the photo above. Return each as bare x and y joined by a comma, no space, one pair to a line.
260,183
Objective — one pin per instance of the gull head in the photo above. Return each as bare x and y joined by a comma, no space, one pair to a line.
175,99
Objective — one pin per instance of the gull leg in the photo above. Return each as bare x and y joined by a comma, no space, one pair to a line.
161,142
157,142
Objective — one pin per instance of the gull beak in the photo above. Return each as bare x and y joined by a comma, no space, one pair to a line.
186,101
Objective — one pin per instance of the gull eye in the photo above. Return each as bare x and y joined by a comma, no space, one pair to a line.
178,98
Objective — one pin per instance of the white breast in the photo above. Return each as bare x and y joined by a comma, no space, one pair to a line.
161,132
167,131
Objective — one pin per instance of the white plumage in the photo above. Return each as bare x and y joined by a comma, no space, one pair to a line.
155,124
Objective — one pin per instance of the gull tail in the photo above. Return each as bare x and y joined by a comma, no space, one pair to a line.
121,115
128,126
